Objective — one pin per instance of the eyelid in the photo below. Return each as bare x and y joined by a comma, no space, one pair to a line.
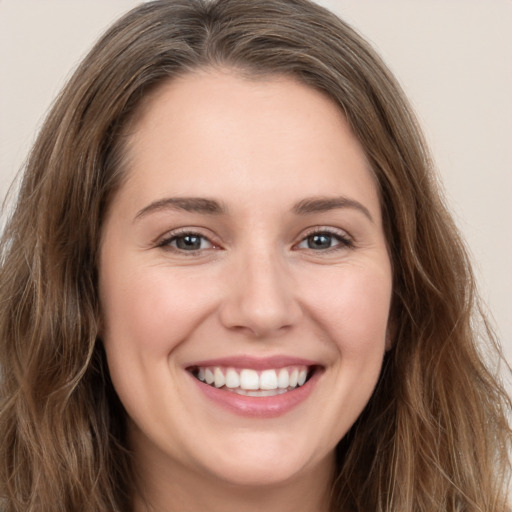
164,240
347,241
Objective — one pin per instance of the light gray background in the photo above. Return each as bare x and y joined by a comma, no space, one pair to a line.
453,58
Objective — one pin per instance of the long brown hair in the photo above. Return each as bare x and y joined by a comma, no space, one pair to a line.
434,436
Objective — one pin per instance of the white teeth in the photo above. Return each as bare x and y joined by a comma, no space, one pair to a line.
232,378
208,376
249,379
294,376
261,392
220,380
268,380
283,379
249,382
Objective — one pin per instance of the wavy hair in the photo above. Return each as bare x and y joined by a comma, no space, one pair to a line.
434,435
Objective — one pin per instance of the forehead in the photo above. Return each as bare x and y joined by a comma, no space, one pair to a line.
219,131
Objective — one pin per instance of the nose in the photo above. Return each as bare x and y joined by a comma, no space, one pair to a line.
260,297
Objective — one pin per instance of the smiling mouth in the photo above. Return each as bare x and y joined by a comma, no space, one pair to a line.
250,382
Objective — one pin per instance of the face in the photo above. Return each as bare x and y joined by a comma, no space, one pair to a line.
245,282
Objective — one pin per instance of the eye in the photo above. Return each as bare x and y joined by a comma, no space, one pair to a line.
325,240
187,242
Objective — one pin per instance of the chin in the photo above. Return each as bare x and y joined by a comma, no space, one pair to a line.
265,460
249,474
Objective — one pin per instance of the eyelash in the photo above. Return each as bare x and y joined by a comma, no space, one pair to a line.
344,241
181,234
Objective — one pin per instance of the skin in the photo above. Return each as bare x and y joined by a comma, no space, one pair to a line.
256,286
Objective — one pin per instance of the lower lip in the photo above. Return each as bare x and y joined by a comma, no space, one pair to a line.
258,407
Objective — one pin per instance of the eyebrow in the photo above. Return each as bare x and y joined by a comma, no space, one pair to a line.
325,204
210,206
188,204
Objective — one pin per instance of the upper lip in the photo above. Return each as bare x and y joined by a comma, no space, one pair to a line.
256,363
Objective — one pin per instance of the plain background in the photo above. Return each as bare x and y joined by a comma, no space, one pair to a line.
452,57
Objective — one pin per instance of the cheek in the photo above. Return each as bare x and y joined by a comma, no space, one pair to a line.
354,309
350,305
150,309
147,311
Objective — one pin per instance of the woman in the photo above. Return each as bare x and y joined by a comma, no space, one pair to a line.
230,283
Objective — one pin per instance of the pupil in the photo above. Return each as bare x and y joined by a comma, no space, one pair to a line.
189,242
319,242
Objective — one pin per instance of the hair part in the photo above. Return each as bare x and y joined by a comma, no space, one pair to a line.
434,435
